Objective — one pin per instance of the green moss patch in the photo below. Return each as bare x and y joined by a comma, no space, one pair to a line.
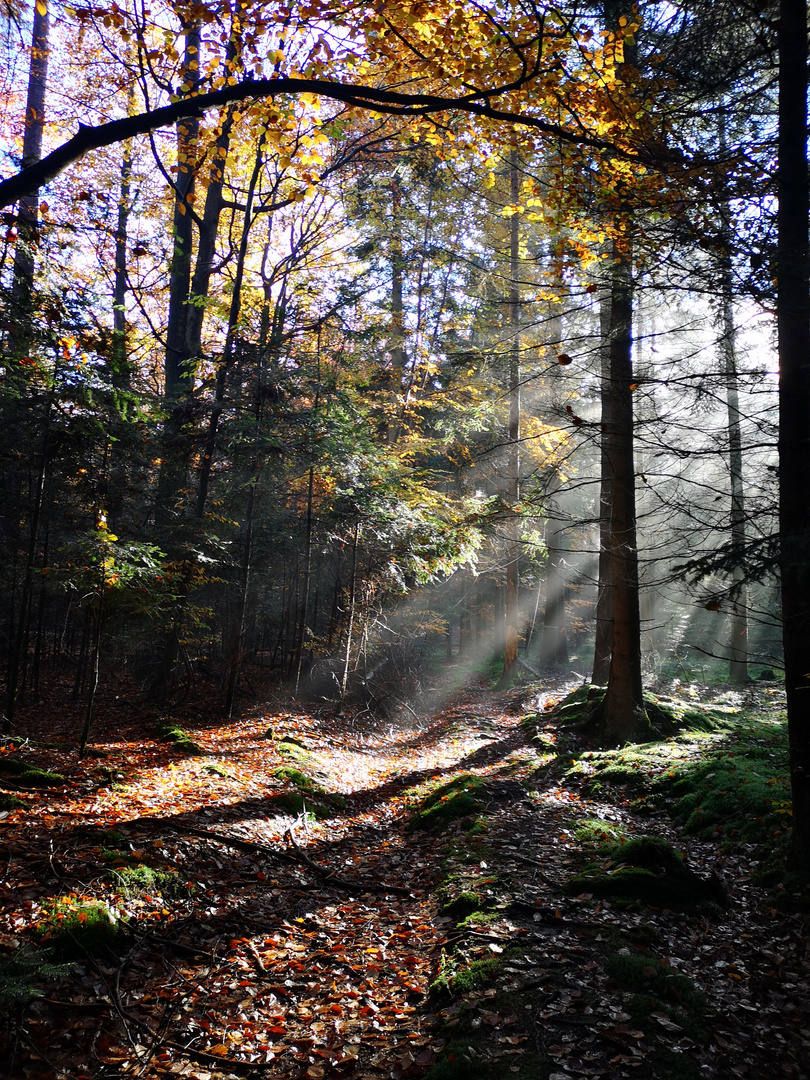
657,988
596,832
739,789
647,870
453,801
458,977
299,779
170,731
133,881
668,716
11,802
28,774
75,929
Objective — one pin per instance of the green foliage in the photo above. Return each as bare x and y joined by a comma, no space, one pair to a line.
21,973
457,977
449,802
171,732
75,928
11,802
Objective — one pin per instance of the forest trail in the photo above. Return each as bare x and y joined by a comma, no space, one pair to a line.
306,948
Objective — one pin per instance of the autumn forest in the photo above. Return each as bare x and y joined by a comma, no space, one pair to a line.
404,539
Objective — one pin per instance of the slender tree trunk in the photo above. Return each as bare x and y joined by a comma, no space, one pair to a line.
228,350
28,209
94,670
554,642
623,715
397,290
237,644
20,641
793,320
179,380
604,595
512,602
738,622
120,354
344,682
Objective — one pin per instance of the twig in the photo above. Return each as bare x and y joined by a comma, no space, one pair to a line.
535,865
234,842
343,883
299,857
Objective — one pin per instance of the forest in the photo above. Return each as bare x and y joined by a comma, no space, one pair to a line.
404,538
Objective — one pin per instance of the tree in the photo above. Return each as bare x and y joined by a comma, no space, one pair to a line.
793,326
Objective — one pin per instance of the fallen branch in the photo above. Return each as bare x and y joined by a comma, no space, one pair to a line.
234,842
343,883
299,858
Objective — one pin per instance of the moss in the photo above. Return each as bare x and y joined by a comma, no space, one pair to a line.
667,716
597,831
170,731
648,870
216,768
657,988
456,978
76,928
142,880
29,774
11,802
464,904
300,779
459,1061
296,803
450,802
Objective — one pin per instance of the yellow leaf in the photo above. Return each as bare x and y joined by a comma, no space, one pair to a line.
42,8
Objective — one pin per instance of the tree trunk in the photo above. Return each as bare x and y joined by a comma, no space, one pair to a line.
178,379
28,210
120,358
604,595
229,347
738,622
554,642
512,604
793,322
623,714
344,682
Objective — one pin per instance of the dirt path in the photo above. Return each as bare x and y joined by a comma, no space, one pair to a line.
248,960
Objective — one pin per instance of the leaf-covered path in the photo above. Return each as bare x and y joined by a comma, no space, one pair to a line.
306,946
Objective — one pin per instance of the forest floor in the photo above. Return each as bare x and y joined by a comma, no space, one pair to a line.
210,913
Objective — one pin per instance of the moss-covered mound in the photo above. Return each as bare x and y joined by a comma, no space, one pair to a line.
453,801
581,710
170,731
29,774
647,870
